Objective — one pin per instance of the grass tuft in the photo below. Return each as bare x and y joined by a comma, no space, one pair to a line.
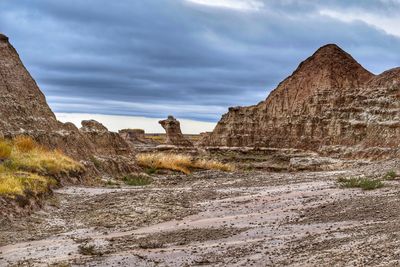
151,170
213,165
137,180
179,162
88,250
363,183
24,143
5,150
390,175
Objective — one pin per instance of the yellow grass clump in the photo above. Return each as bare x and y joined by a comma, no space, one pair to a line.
5,150
19,183
213,165
24,143
29,167
179,162
43,161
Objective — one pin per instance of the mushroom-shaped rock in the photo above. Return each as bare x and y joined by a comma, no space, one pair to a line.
174,135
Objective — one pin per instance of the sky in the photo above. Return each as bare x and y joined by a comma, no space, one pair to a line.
146,59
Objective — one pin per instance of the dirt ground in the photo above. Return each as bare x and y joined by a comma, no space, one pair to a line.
210,218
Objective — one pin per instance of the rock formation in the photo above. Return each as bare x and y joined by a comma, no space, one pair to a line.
137,138
174,134
330,100
24,111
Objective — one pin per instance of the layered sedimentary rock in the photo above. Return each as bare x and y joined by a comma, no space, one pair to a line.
24,111
137,138
330,100
172,128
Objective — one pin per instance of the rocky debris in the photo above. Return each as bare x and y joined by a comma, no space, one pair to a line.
174,134
330,100
24,111
252,218
137,138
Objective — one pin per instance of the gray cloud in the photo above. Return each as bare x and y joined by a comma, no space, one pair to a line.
156,57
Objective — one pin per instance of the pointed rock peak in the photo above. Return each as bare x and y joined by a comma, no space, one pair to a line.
3,38
329,48
329,67
332,54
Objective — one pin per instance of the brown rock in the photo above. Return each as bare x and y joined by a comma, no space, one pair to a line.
137,138
24,111
93,126
329,100
174,134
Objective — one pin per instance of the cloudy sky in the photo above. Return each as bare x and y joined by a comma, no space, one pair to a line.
189,58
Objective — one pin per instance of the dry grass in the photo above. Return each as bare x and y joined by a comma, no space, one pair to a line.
157,137
5,149
40,160
24,143
21,182
29,167
162,137
213,165
179,162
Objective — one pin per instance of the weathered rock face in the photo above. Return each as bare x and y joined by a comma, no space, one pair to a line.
174,134
105,142
23,106
24,111
137,138
329,100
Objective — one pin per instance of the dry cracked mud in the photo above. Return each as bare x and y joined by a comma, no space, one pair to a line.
252,218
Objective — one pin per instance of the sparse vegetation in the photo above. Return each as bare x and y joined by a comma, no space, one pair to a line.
363,183
29,167
160,138
151,170
111,183
96,162
60,264
88,249
179,162
150,244
137,180
390,175
213,165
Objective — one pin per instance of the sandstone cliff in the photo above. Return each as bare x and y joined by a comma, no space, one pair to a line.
329,100
24,111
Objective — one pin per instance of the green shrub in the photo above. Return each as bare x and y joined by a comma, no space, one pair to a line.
390,175
363,183
151,171
137,180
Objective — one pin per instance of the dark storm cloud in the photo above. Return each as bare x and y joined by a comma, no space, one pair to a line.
154,57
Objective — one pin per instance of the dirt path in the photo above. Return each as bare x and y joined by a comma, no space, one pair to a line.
215,219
